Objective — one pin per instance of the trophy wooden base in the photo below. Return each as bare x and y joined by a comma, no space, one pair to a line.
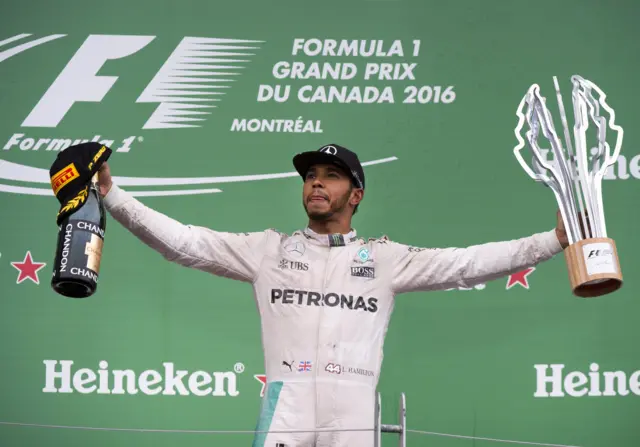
594,269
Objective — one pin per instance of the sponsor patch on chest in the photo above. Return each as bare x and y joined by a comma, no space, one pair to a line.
363,272
286,264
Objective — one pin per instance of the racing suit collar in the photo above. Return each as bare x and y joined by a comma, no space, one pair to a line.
331,240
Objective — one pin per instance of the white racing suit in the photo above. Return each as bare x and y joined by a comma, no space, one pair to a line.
324,304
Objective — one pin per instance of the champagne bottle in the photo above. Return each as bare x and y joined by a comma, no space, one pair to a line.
79,247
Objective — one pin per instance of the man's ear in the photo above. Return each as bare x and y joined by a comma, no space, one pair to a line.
356,196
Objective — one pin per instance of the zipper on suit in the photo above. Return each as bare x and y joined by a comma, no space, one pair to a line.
320,320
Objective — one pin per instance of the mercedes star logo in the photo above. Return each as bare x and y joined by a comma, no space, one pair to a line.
331,150
295,247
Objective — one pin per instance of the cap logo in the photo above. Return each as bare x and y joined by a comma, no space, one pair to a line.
76,201
331,150
97,156
63,177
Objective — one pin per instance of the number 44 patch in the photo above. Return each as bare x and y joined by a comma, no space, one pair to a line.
333,368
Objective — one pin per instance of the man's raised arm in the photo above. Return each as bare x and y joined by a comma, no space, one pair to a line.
420,269
232,255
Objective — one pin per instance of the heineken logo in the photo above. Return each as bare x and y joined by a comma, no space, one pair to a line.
62,377
554,380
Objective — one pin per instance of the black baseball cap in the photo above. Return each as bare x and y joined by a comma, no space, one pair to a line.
71,174
331,154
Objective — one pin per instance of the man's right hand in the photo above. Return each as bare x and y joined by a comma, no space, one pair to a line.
104,179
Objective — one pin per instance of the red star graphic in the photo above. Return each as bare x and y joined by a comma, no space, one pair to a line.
28,269
520,278
263,380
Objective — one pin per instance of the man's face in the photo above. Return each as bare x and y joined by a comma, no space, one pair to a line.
326,192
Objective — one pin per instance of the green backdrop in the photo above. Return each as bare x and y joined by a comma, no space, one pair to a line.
444,174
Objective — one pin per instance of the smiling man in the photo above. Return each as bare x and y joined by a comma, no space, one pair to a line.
324,294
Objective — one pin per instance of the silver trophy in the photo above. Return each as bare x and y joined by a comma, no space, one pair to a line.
574,173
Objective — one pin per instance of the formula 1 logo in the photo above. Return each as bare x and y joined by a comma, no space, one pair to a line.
193,78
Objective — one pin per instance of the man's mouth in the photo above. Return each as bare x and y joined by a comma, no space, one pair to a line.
317,198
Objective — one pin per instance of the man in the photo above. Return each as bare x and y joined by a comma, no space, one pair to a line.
324,295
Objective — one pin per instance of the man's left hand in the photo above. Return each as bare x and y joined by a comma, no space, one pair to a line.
561,232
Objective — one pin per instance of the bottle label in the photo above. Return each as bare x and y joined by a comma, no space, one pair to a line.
93,246
85,225
66,238
80,250
93,250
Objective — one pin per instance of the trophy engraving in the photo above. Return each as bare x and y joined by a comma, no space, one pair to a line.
575,177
